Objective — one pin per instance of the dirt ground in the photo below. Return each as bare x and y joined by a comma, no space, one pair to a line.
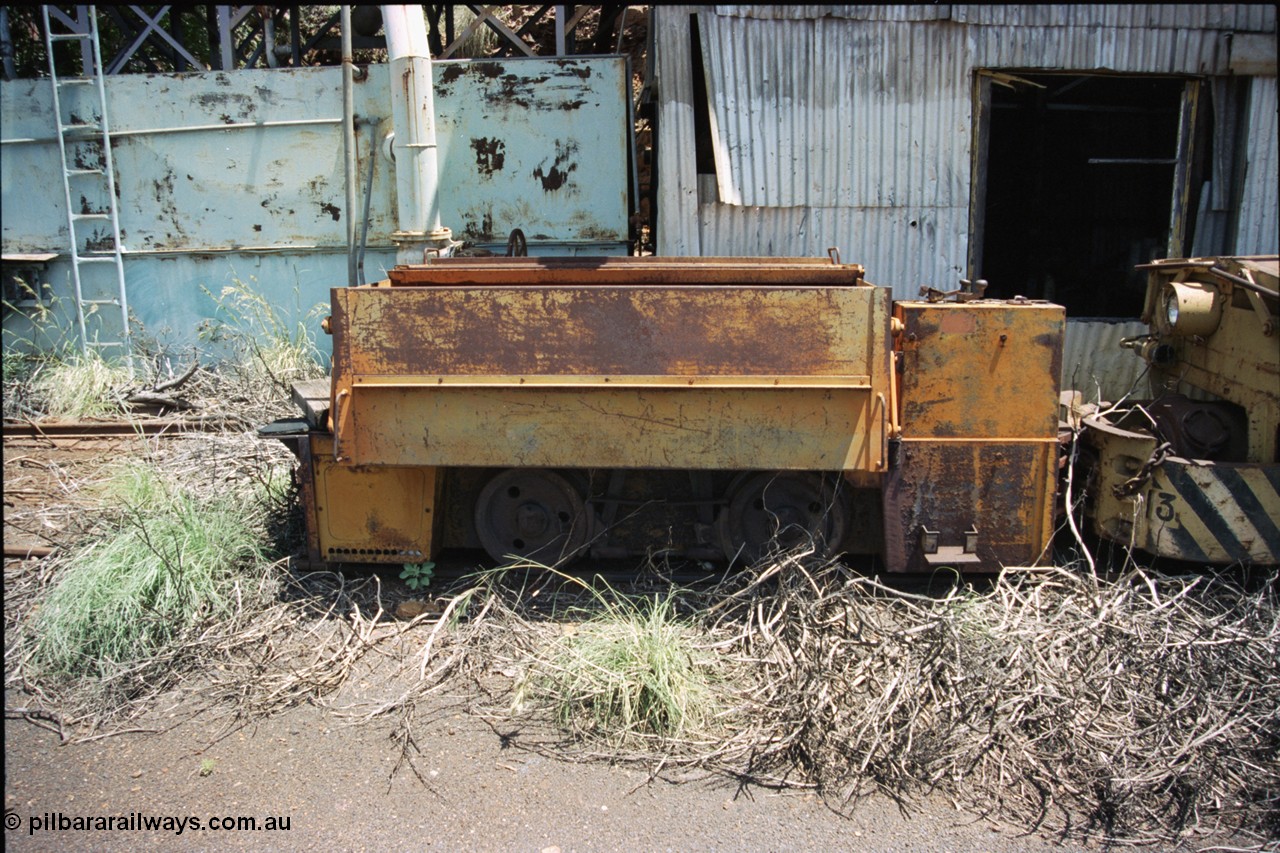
336,786
330,784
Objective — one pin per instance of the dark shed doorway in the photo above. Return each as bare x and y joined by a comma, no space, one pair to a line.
1079,185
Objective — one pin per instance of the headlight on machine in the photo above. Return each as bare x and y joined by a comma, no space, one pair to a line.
1189,308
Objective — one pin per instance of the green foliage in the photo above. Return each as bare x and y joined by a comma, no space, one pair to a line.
634,669
269,353
82,385
45,371
172,565
418,576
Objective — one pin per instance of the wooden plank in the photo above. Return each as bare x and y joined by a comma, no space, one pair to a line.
312,397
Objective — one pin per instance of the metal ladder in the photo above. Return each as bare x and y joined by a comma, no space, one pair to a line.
98,270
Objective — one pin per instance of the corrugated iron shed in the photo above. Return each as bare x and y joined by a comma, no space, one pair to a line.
1259,213
853,126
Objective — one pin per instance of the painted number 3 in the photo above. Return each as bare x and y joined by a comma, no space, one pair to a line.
1163,508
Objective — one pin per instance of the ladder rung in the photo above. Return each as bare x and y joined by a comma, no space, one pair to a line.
79,216
99,301
67,36
81,260
71,173
68,129
76,81
106,343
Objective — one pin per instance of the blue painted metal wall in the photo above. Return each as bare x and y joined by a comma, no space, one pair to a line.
240,176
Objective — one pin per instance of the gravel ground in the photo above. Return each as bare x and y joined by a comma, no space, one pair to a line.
335,785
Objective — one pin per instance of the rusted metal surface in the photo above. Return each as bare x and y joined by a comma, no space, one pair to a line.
112,429
1187,509
630,371
980,370
531,514
376,514
973,483
1003,490
1238,358
607,332
602,372
628,271
1188,478
712,428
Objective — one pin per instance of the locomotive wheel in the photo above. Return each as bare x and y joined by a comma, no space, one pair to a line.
532,514
779,511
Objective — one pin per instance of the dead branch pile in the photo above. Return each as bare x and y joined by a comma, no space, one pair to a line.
1141,709
1136,709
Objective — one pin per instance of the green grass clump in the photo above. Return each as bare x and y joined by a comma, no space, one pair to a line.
83,385
173,567
268,351
633,670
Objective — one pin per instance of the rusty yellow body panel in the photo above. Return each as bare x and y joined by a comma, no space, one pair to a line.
628,376
973,483
699,427
1188,509
1237,357
609,331
375,514
1194,473
987,369
575,404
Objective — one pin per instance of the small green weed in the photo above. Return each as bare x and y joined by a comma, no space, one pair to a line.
418,576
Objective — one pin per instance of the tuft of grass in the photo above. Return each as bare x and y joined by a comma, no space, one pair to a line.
268,352
83,385
173,566
634,670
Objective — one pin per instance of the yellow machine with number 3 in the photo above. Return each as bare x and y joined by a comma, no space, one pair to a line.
1193,472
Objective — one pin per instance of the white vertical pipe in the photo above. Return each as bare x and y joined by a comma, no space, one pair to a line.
348,139
269,37
414,147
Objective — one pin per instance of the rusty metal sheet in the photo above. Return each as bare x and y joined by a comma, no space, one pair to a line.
1239,359
1187,509
1212,512
797,428
1002,489
987,369
381,514
616,375
681,331
632,271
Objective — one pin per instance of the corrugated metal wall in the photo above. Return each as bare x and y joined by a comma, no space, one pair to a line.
841,133
1249,17
851,126
1094,363
1259,212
